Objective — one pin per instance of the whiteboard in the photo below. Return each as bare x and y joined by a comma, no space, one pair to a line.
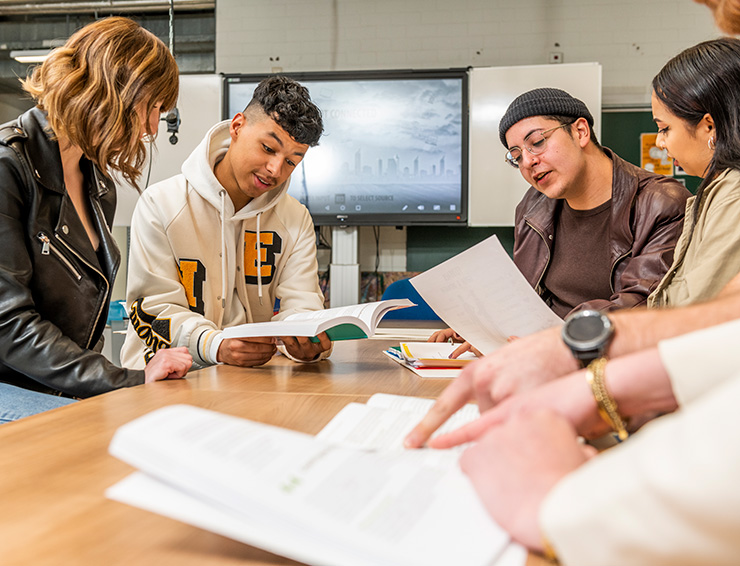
495,188
199,104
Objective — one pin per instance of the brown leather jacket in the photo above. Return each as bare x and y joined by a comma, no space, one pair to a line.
646,219
54,288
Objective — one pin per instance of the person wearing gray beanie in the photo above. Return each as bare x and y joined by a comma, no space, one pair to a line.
543,102
592,231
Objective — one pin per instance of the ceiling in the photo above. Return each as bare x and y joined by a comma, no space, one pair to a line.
42,7
48,23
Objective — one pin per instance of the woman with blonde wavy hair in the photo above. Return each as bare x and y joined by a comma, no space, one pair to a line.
98,98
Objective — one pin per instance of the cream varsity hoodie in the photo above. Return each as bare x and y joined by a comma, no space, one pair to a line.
196,265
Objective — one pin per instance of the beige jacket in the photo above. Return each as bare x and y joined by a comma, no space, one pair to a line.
709,256
669,495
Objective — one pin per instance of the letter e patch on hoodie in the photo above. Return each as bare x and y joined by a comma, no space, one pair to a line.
270,244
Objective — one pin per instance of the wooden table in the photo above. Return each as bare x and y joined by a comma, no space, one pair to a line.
55,467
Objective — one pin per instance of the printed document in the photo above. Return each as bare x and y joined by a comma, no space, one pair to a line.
482,295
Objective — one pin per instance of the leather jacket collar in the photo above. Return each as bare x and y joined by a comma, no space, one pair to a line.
43,152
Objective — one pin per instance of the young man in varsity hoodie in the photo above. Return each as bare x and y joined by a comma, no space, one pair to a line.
215,246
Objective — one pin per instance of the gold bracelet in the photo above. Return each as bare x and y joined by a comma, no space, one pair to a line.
604,401
549,552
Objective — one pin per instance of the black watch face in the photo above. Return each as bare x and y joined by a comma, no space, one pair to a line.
588,332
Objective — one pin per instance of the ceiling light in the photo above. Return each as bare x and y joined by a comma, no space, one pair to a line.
30,55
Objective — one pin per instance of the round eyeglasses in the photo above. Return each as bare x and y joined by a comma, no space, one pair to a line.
535,143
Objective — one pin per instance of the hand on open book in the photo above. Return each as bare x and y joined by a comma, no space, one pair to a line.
168,363
301,347
465,347
519,366
514,466
449,335
247,352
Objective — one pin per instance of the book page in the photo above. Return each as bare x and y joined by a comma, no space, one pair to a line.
469,412
424,372
385,420
362,507
482,295
435,354
367,312
311,323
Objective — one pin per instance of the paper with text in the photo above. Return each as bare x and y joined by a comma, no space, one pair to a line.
385,420
482,295
301,497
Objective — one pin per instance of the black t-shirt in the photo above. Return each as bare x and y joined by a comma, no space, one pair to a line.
580,267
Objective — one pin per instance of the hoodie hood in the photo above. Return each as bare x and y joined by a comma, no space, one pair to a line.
198,171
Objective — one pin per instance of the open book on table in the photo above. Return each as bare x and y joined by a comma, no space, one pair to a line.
384,421
340,323
310,499
434,354
430,359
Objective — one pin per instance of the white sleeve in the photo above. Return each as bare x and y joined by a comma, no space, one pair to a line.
160,313
666,496
698,361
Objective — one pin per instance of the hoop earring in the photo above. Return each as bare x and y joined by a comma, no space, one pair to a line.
710,143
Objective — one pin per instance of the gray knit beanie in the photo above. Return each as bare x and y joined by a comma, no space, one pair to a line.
542,102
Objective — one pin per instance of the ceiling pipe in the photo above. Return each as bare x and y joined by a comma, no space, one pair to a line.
43,8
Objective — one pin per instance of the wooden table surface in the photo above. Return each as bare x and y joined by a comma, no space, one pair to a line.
55,467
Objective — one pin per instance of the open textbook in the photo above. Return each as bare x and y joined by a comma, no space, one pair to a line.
434,354
482,295
309,499
340,323
384,421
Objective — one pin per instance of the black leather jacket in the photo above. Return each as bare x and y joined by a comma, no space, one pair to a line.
54,288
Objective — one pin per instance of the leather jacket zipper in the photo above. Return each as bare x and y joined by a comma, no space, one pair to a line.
92,267
47,247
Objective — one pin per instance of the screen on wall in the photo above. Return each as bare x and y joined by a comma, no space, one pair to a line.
394,149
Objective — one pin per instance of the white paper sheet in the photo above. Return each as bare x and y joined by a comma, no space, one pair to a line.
300,497
482,295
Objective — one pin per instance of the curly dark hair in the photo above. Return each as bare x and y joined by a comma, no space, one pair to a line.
289,104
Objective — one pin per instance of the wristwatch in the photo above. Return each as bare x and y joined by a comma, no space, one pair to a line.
587,333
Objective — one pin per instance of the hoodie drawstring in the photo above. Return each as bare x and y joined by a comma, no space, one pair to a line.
259,260
222,194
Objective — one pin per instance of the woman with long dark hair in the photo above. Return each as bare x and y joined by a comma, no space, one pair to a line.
696,106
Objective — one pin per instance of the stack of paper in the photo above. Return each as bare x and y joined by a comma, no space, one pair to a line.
311,500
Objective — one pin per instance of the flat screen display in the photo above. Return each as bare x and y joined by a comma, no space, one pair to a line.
394,149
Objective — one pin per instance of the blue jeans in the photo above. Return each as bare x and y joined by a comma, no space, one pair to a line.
16,403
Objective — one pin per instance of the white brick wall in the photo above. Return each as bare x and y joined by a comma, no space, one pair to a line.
632,39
